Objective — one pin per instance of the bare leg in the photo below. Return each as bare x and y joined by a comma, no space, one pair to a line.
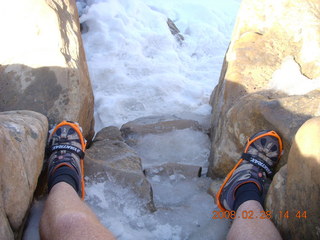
66,216
256,228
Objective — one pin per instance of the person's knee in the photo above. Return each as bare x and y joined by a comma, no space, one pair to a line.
79,225
71,220
307,139
63,225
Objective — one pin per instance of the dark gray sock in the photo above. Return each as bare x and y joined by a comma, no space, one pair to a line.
248,191
67,175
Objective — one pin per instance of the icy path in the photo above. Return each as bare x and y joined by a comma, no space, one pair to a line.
184,209
138,69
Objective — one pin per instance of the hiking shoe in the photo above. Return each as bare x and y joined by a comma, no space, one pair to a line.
66,147
261,154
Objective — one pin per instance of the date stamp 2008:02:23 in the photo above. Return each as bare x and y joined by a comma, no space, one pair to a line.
260,215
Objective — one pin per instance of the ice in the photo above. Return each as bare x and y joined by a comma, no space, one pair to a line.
184,209
180,146
289,79
32,230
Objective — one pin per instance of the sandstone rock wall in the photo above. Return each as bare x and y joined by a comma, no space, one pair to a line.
267,34
22,145
42,62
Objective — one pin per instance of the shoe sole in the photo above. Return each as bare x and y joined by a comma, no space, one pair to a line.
249,142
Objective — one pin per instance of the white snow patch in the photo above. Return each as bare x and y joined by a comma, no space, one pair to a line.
138,68
289,79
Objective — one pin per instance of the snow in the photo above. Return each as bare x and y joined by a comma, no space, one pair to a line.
289,79
138,68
